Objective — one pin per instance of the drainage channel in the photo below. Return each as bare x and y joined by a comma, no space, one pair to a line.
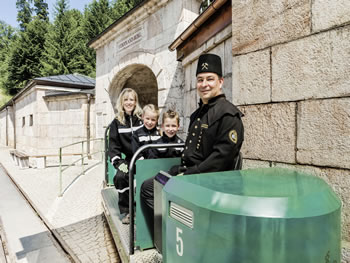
4,256
49,244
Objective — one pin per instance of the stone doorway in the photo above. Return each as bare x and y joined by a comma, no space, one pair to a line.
138,77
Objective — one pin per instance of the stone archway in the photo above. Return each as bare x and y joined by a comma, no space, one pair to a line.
138,77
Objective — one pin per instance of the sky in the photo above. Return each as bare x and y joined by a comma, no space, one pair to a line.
8,10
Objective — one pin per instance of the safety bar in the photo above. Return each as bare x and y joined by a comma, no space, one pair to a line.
131,184
106,152
83,156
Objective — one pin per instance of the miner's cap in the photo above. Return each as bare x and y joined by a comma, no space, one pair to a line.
209,63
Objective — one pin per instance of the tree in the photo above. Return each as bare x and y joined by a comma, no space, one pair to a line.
25,56
65,50
41,10
24,14
7,37
53,62
121,7
97,17
78,52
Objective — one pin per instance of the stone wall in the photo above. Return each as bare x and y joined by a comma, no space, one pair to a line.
56,122
290,76
139,43
7,127
25,109
62,120
3,116
221,45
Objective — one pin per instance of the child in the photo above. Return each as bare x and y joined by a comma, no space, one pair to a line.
149,132
170,126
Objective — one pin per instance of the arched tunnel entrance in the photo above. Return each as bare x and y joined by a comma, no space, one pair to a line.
138,77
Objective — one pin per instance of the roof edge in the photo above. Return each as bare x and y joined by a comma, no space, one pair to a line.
201,19
116,22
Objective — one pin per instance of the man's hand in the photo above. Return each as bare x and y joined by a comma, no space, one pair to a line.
177,170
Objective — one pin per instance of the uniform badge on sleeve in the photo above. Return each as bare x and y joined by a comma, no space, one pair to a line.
233,136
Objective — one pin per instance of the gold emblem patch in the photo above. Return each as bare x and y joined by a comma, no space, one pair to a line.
204,66
233,136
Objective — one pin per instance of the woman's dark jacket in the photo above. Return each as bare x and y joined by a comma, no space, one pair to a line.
120,138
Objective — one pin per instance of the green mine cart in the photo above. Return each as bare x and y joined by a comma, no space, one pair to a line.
269,215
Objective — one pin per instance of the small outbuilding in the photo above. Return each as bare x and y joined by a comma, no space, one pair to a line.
50,112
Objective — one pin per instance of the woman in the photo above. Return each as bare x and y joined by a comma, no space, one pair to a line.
126,122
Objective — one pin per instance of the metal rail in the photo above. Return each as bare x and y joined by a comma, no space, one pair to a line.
106,152
131,184
83,156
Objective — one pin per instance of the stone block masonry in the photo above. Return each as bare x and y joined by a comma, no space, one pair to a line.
259,24
290,77
270,132
323,137
317,66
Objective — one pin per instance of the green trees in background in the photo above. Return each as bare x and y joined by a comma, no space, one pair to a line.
26,51
65,49
24,15
42,48
7,36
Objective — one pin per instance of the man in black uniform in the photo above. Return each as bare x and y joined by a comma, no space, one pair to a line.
215,133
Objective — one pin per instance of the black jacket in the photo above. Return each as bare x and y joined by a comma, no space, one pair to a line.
215,137
120,137
167,152
142,137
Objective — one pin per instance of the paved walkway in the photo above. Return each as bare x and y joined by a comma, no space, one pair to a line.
76,218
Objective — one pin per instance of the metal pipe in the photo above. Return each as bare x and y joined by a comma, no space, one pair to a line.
131,184
14,124
7,126
60,178
88,124
82,155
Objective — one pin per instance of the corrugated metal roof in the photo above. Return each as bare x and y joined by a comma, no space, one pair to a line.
73,79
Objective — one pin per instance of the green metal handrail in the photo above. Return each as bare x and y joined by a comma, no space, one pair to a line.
83,155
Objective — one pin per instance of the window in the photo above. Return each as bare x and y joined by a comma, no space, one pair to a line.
31,120
23,121
204,5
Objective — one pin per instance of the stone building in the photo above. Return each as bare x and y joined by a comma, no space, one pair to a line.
48,113
286,66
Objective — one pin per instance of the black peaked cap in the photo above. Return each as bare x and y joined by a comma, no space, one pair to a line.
209,63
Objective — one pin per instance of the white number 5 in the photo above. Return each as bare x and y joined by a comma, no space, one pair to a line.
179,242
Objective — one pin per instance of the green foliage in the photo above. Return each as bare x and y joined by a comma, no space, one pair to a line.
65,49
4,98
25,56
42,48
120,7
41,10
24,14
98,16
7,36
